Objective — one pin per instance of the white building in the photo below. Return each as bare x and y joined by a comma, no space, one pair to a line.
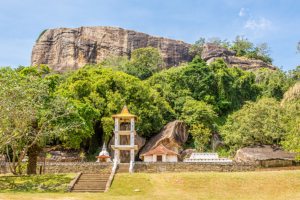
160,154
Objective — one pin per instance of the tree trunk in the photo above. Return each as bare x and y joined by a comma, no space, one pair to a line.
33,152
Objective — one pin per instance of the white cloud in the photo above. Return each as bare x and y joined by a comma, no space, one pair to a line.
242,12
259,24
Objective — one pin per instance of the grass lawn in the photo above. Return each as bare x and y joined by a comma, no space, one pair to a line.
258,185
48,182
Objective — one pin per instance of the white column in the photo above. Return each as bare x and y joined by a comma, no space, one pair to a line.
132,124
132,132
117,141
117,155
132,155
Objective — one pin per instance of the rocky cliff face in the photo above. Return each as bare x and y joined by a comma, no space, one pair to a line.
71,48
211,52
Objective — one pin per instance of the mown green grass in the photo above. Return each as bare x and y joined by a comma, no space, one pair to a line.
260,185
38,183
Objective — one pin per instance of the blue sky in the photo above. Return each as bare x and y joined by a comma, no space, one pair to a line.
276,22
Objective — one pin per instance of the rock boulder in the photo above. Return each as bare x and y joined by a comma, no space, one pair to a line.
172,136
265,155
212,51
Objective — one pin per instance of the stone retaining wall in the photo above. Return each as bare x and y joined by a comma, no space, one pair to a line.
75,167
191,167
93,167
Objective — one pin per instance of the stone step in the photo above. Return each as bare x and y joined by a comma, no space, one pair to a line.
89,187
91,183
95,176
94,179
84,190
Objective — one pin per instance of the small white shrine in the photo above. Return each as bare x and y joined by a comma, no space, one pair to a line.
160,154
103,155
206,158
124,126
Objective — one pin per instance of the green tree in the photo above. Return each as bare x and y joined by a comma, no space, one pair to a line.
294,74
201,136
177,84
241,46
99,92
144,62
198,112
272,83
232,86
116,62
197,48
30,116
291,103
257,123
200,117
216,84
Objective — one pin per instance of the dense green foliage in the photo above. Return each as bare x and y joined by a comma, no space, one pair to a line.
144,62
257,123
39,107
272,83
31,115
266,121
224,88
99,92
244,47
291,103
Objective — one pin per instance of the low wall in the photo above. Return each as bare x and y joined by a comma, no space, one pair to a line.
275,163
191,167
93,167
75,167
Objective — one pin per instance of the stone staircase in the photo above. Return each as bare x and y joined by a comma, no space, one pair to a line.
123,168
91,183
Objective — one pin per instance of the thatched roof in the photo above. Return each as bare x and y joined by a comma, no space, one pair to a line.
265,152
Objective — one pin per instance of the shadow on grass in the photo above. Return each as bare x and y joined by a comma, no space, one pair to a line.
37,183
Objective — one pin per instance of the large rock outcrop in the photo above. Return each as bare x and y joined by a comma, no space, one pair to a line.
265,155
71,48
172,136
212,51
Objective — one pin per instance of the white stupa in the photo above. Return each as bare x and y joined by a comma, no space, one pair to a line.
103,155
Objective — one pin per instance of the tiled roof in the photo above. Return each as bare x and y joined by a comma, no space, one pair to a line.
160,149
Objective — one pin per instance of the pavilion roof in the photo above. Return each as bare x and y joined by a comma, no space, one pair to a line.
160,149
124,114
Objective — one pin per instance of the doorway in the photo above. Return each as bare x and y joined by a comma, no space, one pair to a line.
159,158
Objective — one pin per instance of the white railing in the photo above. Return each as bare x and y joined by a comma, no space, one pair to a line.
112,175
131,166
219,160
206,158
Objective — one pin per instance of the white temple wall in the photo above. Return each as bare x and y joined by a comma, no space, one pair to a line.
172,158
148,158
